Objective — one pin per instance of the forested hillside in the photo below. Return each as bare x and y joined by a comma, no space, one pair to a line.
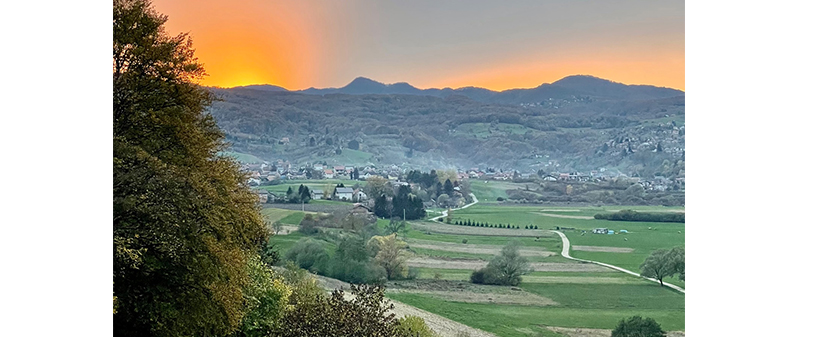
578,123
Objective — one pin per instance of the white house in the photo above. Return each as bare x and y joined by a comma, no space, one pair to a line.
317,194
344,193
358,195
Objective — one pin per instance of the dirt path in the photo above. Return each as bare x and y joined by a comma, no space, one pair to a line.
472,248
519,298
443,326
467,264
565,253
583,332
582,217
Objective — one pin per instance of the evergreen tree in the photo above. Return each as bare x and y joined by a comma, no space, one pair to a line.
381,207
448,187
356,173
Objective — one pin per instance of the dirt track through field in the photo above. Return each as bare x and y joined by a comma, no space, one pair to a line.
579,280
472,248
443,326
582,217
478,264
603,249
582,332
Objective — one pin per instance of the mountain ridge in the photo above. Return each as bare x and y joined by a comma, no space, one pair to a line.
567,88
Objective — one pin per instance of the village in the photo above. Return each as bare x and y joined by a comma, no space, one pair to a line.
282,171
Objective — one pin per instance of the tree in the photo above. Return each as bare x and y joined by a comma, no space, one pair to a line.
266,298
414,326
637,326
185,222
377,186
390,255
365,314
382,208
356,173
353,145
277,227
662,263
395,226
443,200
448,187
312,141
505,269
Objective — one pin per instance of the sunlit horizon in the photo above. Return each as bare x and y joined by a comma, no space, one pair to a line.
312,44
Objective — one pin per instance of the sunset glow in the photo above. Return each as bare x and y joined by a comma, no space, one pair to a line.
301,44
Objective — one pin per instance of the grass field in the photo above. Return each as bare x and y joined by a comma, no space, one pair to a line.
581,298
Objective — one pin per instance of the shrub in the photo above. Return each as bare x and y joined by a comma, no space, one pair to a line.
499,199
414,326
308,254
637,326
464,241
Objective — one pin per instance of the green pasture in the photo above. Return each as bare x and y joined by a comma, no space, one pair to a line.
598,306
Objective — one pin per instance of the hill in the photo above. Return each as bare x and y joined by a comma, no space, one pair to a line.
577,123
570,87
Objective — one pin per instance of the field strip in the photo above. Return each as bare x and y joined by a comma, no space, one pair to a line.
443,326
565,253
579,279
435,227
519,298
653,211
478,264
288,229
472,248
584,332
559,210
603,249
582,217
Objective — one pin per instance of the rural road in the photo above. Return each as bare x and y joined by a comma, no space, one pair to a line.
444,213
565,253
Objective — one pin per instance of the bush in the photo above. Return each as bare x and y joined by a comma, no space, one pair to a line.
464,241
499,199
308,254
636,326
414,326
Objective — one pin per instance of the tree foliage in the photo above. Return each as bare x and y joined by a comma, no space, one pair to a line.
391,255
366,314
663,263
505,269
637,326
185,222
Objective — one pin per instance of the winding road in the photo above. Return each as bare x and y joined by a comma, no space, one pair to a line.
565,253
444,213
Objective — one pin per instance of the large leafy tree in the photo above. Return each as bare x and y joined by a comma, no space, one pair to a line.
185,223
663,263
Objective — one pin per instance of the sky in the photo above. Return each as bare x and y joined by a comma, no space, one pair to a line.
496,45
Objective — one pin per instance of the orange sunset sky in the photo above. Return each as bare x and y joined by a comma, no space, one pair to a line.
492,44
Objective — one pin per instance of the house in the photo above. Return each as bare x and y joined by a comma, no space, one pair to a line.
600,231
329,174
344,193
263,195
358,195
339,169
254,182
317,194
